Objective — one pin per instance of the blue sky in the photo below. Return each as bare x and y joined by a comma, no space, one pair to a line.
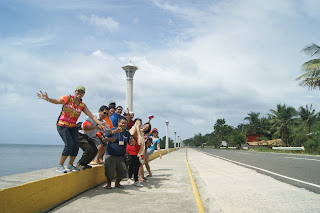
198,60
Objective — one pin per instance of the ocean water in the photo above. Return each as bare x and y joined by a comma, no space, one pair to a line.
21,158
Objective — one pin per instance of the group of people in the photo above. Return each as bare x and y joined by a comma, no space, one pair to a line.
107,133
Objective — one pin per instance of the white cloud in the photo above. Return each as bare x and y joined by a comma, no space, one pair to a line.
231,58
103,23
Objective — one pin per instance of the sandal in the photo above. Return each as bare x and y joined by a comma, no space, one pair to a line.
119,186
149,175
107,187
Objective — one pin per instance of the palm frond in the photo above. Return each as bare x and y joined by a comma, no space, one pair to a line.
312,49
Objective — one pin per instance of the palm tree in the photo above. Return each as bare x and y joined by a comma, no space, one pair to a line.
281,120
254,122
219,128
311,69
308,115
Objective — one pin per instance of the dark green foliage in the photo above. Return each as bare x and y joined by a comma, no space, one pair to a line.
295,127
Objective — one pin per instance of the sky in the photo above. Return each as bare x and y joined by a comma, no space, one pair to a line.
198,61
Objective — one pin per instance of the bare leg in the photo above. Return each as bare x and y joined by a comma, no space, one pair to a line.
148,167
99,149
62,159
109,182
118,181
71,159
141,173
101,153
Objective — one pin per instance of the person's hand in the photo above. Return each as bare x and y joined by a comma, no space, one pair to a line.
117,130
102,126
127,111
43,96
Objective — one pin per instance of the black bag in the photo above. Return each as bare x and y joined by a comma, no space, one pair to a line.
127,159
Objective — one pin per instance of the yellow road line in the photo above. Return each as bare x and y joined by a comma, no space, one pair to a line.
194,187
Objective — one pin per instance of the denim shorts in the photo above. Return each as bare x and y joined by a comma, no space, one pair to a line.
149,152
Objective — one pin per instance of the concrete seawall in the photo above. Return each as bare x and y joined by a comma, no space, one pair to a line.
41,195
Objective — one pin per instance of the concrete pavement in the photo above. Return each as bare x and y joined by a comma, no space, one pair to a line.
169,190
227,187
223,187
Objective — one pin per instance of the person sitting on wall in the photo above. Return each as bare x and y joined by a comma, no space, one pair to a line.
90,141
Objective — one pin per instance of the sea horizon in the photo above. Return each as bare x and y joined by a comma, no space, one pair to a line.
21,158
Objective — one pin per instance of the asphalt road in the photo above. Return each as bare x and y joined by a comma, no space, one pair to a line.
299,170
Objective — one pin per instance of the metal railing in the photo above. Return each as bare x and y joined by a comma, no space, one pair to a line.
289,148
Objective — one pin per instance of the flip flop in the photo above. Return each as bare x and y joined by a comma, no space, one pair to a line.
119,186
107,187
93,163
149,175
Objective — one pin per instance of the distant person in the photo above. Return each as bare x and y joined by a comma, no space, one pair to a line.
116,149
112,104
66,124
116,116
155,144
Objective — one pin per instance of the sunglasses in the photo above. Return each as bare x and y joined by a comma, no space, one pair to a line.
105,113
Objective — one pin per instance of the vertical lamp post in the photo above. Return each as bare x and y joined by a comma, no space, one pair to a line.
167,137
130,69
174,145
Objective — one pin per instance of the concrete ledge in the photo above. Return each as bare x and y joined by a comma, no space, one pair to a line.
41,195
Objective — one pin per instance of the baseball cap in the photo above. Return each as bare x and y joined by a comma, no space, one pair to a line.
154,130
81,88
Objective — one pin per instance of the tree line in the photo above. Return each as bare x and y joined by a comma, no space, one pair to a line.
296,127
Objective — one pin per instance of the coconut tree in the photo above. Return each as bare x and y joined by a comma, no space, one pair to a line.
311,69
282,119
254,122
308,115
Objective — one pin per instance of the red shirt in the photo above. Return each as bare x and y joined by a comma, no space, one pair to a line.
133,150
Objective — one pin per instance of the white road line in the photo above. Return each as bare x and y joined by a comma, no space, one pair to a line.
276,174
302,158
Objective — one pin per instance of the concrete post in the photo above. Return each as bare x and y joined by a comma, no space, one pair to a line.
167,137
174,145
130,70
179,141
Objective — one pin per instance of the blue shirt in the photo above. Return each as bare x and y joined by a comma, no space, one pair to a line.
114,148
115,118
154,143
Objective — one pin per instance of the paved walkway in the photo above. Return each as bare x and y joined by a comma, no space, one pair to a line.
226,187
169,190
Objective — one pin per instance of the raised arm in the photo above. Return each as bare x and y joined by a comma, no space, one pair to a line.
158,148
44,96
86,111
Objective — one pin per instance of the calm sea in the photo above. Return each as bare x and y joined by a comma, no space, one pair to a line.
20,158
